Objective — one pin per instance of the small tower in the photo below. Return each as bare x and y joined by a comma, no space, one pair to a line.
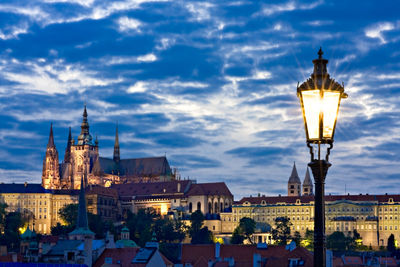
116,156
294,183
51,171
307,185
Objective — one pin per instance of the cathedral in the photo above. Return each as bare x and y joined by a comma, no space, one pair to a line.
82,159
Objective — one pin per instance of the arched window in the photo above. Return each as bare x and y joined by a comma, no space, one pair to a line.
209,207
190,207
215,207
221,207
198,206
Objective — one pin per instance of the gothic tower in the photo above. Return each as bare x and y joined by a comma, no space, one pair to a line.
307,185
294,183
51,173
66,166
83,154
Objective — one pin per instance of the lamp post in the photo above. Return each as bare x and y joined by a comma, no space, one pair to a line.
320,100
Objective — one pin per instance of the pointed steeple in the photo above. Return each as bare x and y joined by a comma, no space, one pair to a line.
67,155
85,138
307,178
51,137
82,226
307,185
294,177
82,221
116,147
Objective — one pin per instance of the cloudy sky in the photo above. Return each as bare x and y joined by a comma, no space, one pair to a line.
210,84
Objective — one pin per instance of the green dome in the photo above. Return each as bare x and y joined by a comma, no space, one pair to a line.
28,234
123,243
125,229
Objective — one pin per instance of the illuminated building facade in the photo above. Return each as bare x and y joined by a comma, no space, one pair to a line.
82,157
41,206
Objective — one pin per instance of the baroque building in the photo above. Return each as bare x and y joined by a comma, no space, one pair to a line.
82,159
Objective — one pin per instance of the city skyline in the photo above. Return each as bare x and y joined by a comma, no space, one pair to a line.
211,85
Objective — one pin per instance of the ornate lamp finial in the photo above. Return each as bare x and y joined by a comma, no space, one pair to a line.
320,53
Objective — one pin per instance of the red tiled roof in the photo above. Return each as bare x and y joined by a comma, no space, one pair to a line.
308,199
199,255
124,256
209,189
148,189
100,190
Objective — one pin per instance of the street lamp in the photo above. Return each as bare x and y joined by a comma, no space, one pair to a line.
320,100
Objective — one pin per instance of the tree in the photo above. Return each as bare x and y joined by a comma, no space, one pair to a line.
61,230
3,213
391,244
281,232
297,238
243,231
11,238
169,230
141,225
248,227
338,241
199,234
237,236
69,214
308,241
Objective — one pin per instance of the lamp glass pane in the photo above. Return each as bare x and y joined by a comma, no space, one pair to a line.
330,105
312,109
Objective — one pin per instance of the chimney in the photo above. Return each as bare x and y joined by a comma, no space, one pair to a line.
26,184
179,187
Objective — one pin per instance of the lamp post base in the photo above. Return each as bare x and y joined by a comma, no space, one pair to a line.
319,169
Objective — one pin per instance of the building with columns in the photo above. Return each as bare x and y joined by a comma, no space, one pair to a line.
82,157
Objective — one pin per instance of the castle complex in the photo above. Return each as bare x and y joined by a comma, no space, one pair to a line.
83,157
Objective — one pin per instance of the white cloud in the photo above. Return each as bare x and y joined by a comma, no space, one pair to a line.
53,78
269,10
138,87
376,31
200,10
262,75
85,3
13,31
165,43
128,24
188,84
147,58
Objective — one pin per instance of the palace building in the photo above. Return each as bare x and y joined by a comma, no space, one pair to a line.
374,217
82,156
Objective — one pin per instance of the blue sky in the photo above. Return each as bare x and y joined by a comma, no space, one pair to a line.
211,84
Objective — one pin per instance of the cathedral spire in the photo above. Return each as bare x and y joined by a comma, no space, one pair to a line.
294,183
116,147
85,124
67,155
51,137
85,138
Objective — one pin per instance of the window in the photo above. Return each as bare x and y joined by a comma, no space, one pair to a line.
190,207
198,206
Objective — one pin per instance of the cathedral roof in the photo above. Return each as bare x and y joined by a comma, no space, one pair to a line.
307,178
294,177
141,167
